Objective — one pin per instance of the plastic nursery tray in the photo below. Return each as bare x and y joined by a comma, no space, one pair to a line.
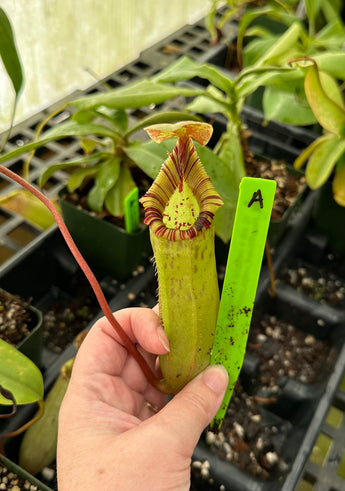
49,269
300,408
326,464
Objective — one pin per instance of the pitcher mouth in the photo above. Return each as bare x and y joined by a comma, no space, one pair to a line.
182,201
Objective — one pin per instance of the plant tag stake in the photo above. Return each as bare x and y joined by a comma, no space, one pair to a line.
247,245
132,211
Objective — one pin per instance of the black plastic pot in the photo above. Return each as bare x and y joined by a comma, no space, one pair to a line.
300,408
31,346
108,249
329,218
24,477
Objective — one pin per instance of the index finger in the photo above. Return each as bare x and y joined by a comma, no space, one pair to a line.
103,350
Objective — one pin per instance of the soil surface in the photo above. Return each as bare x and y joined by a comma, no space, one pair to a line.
249,438
285,351
252,437
322,282
9,480
15,318
289,183
69,313
65,319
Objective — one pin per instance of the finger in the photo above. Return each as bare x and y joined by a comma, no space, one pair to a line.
194,407
143,327
102,350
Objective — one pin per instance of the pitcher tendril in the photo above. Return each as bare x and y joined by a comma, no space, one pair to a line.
179,209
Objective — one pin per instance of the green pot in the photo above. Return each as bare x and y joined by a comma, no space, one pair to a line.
329,219
21,473
108,249
31,346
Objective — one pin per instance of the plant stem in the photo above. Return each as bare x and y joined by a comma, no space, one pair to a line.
273,290
24,427
8,395
38,131
131,348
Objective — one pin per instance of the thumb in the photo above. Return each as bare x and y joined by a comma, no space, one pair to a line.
194,407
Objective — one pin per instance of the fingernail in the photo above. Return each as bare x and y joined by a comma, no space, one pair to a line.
163,338
216,377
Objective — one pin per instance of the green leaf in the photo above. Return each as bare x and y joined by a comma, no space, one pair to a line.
220,171
106,178
287,106
67,164
284,44
266,76
19,375
78,177
233,8
63,130
332,89
329,114
38,447
312,8
9,54
28,206
204,104
139,94
323,160
226,181
333,31
149,156
246,20
332,12
304,156
185,69
117,118
120,120
210,20
88,144
226,176
115,198
332,63
255,49
72,128
339,184
83,117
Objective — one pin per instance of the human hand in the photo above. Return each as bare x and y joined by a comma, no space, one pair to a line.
110,436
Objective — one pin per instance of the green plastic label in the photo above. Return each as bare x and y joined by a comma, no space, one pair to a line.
253,213
132,211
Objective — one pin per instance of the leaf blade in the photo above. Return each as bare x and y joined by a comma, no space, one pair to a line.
19,375
9,53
